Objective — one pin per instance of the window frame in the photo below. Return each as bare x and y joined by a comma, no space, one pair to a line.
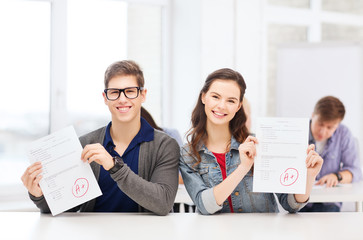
58,61
16,196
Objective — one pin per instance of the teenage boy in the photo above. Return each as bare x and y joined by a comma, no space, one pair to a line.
135,165
336,145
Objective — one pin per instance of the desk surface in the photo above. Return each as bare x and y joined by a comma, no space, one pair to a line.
33,225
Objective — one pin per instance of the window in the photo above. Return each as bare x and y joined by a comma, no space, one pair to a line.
97,33
291,3
24,85
279,34
145,45
120,31
307,21
335,32
346,6
93,44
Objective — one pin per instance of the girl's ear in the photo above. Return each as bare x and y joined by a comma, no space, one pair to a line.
203,98
239,106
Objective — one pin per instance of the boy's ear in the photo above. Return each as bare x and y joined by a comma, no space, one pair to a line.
104,98
143,95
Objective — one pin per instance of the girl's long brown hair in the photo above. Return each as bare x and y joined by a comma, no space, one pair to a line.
198,132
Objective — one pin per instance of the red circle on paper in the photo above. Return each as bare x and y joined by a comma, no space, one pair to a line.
290,172
80,187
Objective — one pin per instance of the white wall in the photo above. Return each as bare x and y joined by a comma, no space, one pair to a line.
250,32
186,61
308,72
217,35
209,35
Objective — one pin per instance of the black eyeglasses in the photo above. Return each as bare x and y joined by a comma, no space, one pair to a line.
113,94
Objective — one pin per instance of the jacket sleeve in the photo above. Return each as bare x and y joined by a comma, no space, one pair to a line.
157,192
199,192
42,204
289,203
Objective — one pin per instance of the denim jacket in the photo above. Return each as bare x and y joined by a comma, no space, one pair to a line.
200,179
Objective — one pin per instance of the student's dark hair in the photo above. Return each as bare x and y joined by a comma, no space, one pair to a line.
329,108
124,68
198,132
147,116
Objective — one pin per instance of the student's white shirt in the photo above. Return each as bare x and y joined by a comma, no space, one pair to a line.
319,146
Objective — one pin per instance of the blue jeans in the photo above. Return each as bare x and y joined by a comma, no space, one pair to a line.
321,207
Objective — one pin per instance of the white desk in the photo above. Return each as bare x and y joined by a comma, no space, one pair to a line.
342,193
32,225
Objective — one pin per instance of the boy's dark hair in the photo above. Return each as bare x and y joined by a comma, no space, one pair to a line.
329,108
124,68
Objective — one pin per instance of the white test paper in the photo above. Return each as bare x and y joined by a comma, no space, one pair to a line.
67,181
281,153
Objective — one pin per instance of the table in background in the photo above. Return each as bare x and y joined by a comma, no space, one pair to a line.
352,192
33,225
183,197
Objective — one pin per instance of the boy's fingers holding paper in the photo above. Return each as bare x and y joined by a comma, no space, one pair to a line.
91,149
30,170
31,179
97,153
34,174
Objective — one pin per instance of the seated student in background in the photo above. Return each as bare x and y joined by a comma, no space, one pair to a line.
216,163
135,165
336,145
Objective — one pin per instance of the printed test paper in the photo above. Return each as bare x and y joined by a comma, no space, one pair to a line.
281,153
67,181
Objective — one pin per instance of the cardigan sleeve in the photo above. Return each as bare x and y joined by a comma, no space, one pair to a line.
157,183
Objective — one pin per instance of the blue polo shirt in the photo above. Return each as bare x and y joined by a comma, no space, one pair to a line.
113,199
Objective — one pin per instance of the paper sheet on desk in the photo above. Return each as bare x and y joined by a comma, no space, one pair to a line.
281,153
67,181
324,186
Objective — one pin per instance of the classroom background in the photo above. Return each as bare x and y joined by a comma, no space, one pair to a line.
54,54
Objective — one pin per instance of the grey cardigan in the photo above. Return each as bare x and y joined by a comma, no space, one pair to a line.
154,188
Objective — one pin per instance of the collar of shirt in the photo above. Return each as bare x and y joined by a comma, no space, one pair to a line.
234,146
145,134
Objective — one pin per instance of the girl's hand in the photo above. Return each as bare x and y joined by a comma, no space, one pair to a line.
247,152
313,162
